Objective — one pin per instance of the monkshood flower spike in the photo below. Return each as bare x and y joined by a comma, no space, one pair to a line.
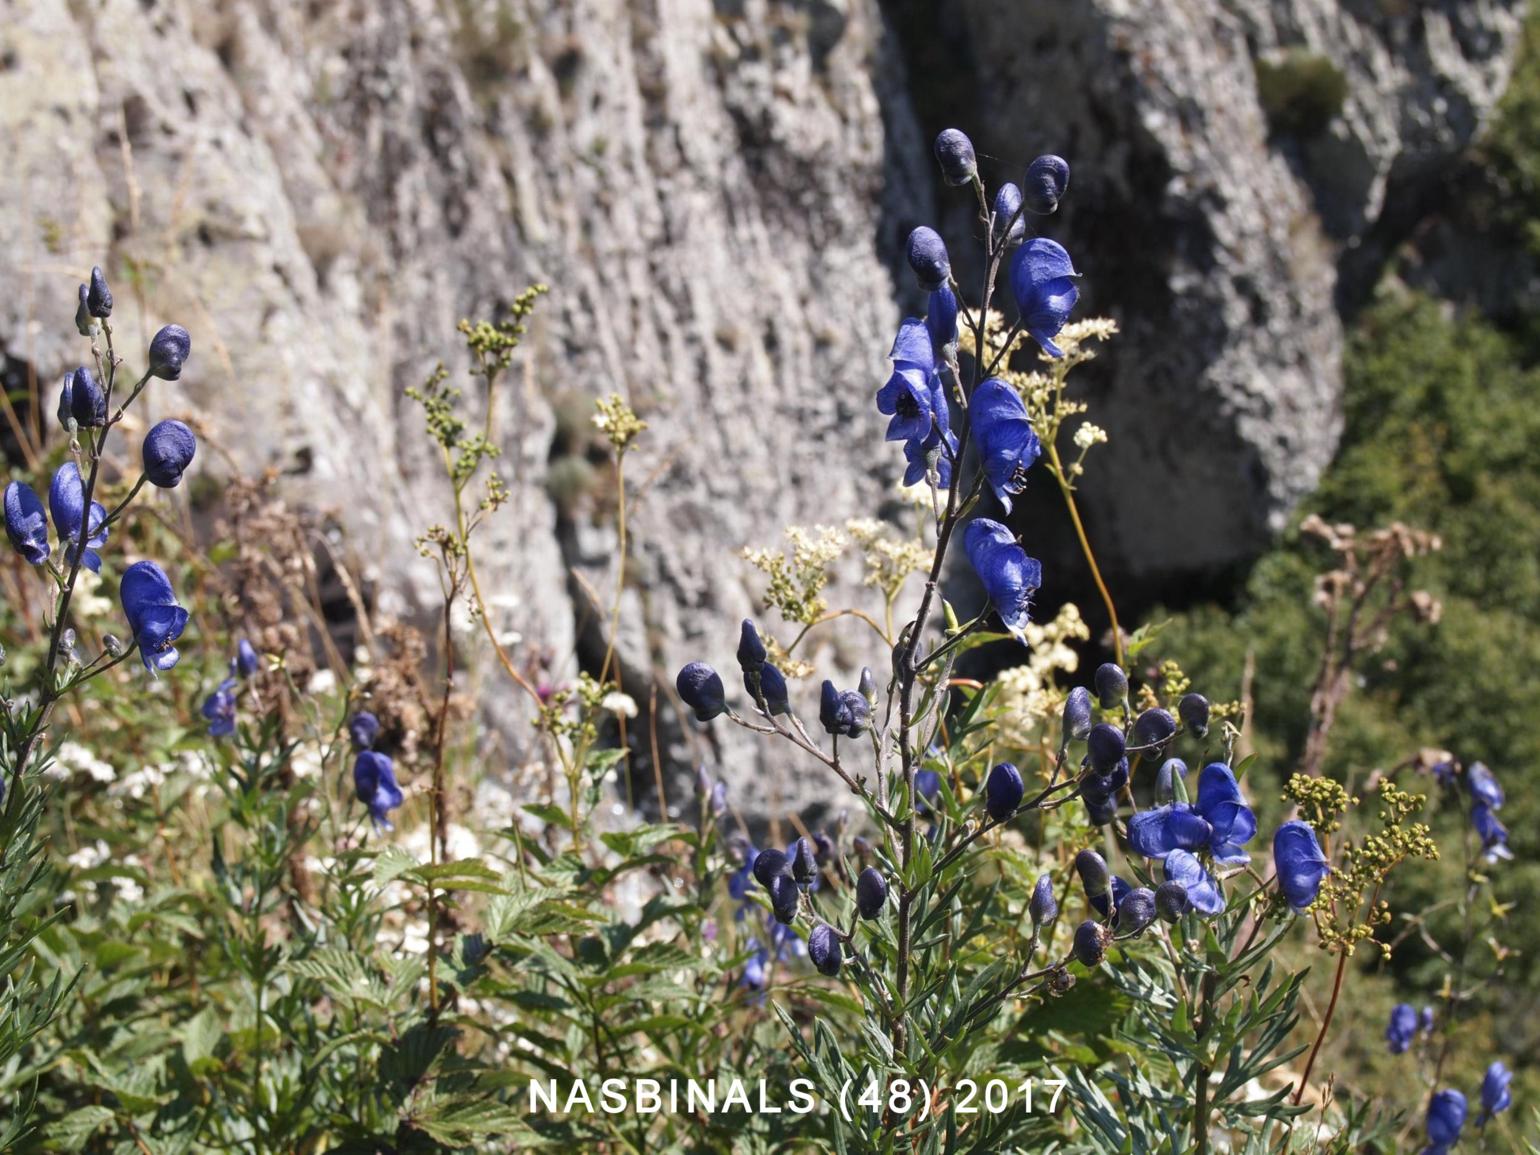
66,501
1300,863
26,524
1007,445
1042,281
153,615
168,451
1009,576
374,781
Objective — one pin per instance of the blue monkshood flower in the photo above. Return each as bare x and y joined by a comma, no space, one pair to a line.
1047,182
1171,901
1043,906
363,729
925,456
804,863
842,711
66,501
1484,788
954,153
1425,1021
247,660
1136,911
219,709
1090,946
1175,826
1009,576
1111,901
1446,1119
1092,869
85,324
25,522
913,389
928,258
1077,715
770,864
1153,729
1172,771
1495,1096
1220,803
701,689
1104,747
1193,710
1402,1028
88,404
785,898
1007,445
756,971
99,296
1111,685
1009,222
169,350
1003,791
374,780
1300,864
153,616
168,451
1042,280
751,649
1493,834
1202,891
823,948
941,321
772,687
871,892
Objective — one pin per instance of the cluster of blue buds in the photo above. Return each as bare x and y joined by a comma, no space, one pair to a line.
219,707
148,601
374,773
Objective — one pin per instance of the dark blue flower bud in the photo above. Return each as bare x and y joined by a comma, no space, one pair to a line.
829,708
784,899
867,686
1008,214
1170,901
219,709
169,350
954,152
770,865
26,524
1425,1021
1193,710
374,780
66,410
1104,747
871,892
1077,714
1043,907
772,687
85,324
1092,869
823,948
843,712
751,650
1091,943
1152,730
701,689
1495,1096
941,324
88,404
363,729
168,451
1446,1119
99,296
823,848
1003,791
247,661
1136,911
1111,685
928,258
1046,183
1101,811
804,863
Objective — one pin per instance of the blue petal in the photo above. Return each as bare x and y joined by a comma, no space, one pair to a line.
913,345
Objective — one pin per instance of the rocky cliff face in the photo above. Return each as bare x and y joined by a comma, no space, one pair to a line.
715,193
